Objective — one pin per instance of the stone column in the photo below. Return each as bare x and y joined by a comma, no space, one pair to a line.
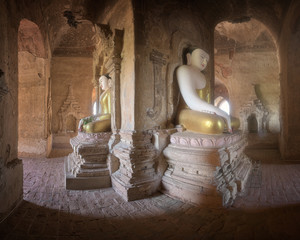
114,71
136,177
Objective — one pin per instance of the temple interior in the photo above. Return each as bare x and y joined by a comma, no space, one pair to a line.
92,143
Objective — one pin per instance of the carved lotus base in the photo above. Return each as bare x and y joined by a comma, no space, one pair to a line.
86,167
206,169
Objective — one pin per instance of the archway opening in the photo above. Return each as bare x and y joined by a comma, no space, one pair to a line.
247,65
223,104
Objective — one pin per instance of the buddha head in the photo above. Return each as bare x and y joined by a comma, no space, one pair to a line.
197,57
104,82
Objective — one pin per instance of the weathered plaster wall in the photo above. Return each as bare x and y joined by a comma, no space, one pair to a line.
32,105
290,90
11,170
248,69
74,71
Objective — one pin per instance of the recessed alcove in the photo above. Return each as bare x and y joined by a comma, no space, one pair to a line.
32,90
71,124
252,124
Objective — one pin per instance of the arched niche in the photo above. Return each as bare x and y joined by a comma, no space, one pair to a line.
71,123
32,90
252,124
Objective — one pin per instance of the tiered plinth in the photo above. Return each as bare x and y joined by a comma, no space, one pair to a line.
206,169
136,177
86,167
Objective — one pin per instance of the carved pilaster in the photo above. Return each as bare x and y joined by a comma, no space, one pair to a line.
136,177
114,69
159,85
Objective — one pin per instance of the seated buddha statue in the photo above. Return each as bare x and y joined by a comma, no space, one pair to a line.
100,122
194,113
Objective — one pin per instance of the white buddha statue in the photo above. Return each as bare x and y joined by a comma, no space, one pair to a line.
194,113
102,121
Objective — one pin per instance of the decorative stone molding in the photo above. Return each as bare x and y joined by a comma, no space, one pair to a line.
158,61
257,108
191,139
70,107
90,138
113,66
86,167
136,177
206,170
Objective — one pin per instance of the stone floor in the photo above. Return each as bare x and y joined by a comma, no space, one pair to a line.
270,209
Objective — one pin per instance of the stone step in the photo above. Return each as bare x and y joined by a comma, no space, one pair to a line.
94,158
93,172
92,153
93,165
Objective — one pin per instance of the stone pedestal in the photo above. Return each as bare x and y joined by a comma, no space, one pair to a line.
136,177
86,167
206,169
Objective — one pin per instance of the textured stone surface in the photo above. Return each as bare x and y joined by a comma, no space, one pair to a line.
51,212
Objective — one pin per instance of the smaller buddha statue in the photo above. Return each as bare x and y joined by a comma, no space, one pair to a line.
100,122
194,113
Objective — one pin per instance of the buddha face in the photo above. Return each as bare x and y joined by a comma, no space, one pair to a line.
103,81
199,59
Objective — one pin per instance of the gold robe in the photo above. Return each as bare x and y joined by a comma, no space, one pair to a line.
103,122
202,122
